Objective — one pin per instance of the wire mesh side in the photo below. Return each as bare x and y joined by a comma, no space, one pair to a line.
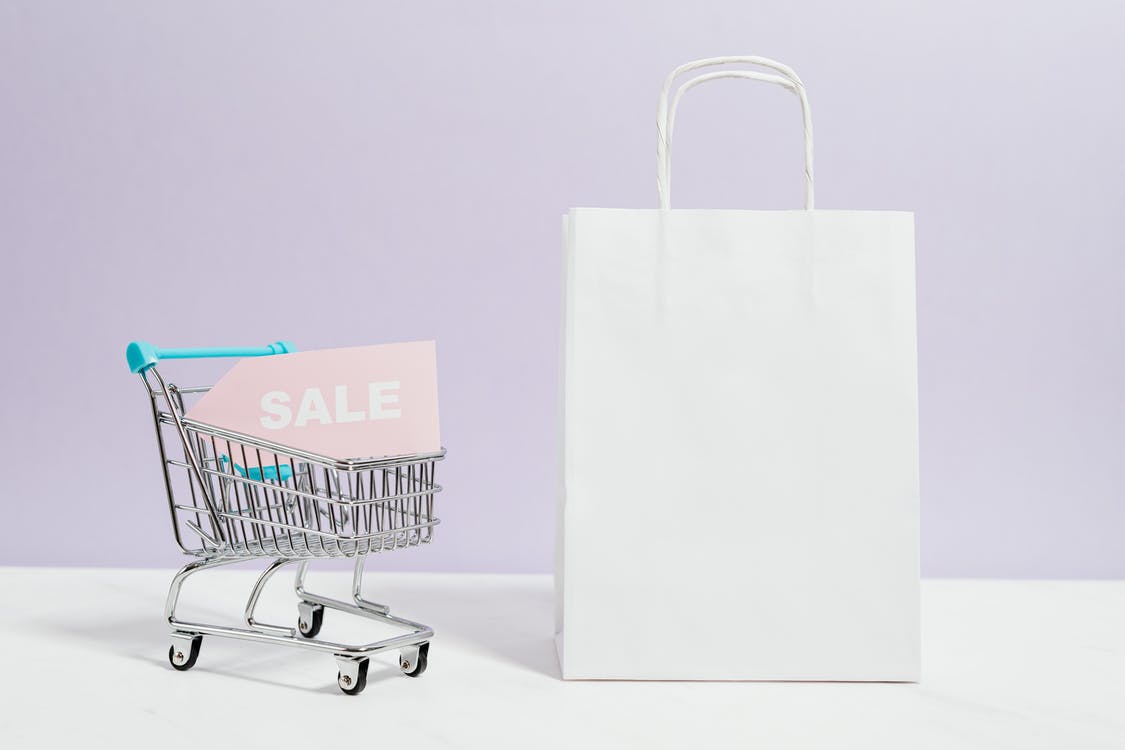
273,505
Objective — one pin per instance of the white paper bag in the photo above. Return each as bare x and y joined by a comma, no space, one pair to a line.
739,439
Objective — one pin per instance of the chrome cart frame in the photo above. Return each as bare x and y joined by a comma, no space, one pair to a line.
234,497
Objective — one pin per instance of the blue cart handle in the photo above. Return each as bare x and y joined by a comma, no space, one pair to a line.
142,355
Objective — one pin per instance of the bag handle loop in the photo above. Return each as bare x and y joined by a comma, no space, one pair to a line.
666,115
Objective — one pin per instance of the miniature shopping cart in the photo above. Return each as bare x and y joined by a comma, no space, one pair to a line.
234,497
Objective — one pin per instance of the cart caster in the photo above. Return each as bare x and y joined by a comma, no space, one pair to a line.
184,651
412,659
310,617
352,677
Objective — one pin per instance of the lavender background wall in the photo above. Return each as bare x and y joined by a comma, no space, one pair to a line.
344,173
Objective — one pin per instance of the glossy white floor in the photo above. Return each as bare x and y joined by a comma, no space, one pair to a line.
1006,665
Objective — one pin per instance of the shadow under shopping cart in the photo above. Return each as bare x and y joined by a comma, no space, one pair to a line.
503,618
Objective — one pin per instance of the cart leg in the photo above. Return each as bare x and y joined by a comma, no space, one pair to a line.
310,614
357,589
256,592
185,644
178,583
299,579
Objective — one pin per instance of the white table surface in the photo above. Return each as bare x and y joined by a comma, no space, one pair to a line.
84,656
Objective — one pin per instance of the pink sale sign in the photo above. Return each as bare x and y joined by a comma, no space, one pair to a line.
353,403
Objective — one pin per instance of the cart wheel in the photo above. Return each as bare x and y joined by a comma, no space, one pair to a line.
181,661
310,617
353,685
416,668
